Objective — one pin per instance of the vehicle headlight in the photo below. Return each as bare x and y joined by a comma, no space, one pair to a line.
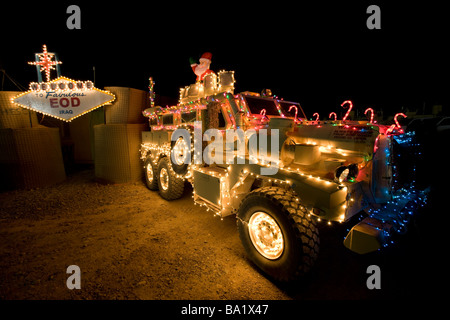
346,173
341,174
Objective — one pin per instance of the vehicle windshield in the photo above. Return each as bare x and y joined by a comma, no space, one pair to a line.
286,105
256,105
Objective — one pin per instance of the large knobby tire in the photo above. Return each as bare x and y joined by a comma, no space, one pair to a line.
180,149
179,165
170,186
277,233
150,176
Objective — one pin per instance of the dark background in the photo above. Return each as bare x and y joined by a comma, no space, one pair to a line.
319,54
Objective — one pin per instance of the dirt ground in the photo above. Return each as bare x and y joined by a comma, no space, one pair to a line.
131,244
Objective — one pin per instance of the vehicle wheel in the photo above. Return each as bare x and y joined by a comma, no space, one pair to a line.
180,153
170,186
277,233
150,175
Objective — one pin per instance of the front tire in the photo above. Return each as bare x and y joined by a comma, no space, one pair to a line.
170,186
277,233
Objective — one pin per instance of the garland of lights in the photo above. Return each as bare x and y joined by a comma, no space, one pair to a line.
396,213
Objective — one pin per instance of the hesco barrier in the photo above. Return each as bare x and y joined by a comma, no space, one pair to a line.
12,116
128,106
30,157
117,157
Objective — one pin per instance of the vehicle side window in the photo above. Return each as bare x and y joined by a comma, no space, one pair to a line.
188,117
257,104
153,121
168,119
222,123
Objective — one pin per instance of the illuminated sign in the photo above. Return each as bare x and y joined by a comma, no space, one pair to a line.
63,98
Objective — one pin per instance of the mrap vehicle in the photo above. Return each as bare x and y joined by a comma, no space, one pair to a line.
326,171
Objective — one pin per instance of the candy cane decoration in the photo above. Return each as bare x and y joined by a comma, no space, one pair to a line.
390,129
333,114
396,125
263,113
371,114
296,110
396,121
317,116
349,108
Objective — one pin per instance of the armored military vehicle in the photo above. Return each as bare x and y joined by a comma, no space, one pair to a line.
322,171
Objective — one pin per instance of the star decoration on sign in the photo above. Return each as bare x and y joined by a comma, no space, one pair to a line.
46,62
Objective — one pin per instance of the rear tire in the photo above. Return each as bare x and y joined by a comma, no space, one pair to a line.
277,233
170,186
150,175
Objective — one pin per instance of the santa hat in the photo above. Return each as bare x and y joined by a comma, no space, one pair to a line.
206,56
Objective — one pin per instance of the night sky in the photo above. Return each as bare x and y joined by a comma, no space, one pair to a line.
318,54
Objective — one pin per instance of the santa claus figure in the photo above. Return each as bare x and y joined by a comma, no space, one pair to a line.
202,69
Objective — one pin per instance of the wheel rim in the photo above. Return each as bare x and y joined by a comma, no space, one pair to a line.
164,179
150,172
180,151
266,235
